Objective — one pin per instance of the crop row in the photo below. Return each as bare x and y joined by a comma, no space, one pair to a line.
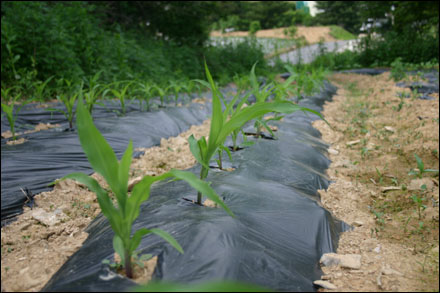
228,117
67,93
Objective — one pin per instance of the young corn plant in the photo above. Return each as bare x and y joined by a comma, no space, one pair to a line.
39,87
122,215
9,111
162,92
234,112
94,90
222,125
69,104
176,87
261,96
190,88
121,94
146,91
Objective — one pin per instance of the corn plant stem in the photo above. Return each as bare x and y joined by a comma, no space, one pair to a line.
127,265
13,132
203,175
220,165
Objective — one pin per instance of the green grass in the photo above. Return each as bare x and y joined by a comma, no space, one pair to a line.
341,34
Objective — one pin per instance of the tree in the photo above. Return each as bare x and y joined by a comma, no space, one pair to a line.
342,13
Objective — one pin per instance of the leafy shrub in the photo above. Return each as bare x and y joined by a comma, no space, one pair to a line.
254,27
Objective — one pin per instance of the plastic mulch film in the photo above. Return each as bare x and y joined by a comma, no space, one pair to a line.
51,154
276,240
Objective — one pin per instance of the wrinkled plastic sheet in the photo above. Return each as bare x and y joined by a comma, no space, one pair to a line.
428,85
276,240
366,71
54,153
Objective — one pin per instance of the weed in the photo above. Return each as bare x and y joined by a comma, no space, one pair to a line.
420,168
419,204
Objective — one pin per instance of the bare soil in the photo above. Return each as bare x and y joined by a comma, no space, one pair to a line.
372,151
38,127
311,34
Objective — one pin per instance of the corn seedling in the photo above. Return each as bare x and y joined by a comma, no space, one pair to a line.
421,168
176,87
261,96
121,94
162,92
39,88
121,217
9,111
93,92
146,90
69,103
189,88
222,125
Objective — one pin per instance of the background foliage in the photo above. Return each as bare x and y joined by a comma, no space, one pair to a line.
154,41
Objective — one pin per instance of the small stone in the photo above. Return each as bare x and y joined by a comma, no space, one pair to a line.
48,219
210,203
358,223
350,261
377,249
333,151
389,188
389,271
25,226
390,129
353,142
325,284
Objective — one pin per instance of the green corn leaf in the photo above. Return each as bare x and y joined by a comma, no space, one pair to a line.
118,246
253,80
227,150
170,239
203,148
137,237
263,122
217,114
229,107
104,200
139,194
254,111
202,187
9,113
123,172
195,150
99,153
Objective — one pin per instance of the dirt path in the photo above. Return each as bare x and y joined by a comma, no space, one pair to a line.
373,141
311,34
